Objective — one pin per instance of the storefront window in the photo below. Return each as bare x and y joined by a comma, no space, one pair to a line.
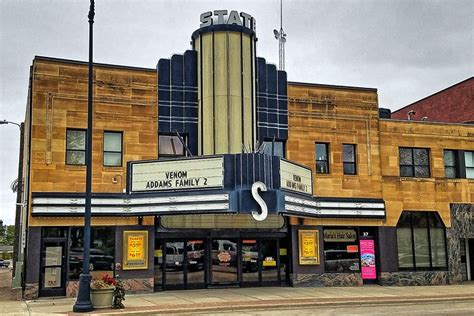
102,251
421,241
341,251
405,248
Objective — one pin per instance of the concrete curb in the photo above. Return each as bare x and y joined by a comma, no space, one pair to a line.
279,304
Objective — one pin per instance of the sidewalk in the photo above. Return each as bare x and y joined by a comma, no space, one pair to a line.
228,300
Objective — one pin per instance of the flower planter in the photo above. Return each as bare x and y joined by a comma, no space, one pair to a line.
102,298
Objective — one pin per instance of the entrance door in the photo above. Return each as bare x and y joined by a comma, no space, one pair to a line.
174,264
224,261
250,262
53,268
180,264
195,264
270,272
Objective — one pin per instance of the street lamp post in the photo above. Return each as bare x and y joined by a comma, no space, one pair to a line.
83,302
20,216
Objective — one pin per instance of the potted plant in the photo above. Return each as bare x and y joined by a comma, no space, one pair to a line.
102,291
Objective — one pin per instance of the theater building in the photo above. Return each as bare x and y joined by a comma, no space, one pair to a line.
213,170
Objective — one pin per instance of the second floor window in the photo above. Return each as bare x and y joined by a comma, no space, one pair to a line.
170,146
75,147
469,162
414,162
322,158
276,148
113,149
349,158
450,164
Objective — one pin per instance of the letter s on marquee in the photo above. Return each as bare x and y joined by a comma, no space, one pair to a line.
263,214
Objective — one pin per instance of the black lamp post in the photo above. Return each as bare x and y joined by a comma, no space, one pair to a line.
83,302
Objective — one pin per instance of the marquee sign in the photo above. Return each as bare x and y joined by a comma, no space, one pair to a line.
295,178
177,174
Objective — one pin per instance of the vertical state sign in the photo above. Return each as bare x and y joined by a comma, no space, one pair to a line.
135,250
308,241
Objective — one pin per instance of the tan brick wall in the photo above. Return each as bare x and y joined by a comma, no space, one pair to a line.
124,100
431,194
338,115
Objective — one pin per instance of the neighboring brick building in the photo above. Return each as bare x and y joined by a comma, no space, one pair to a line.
454,104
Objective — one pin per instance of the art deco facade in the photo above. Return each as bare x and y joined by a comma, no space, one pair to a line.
189,156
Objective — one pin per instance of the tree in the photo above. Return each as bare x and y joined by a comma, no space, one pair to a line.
7,234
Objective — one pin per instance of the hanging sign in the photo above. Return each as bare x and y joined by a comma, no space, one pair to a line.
367,259
135,250
308,247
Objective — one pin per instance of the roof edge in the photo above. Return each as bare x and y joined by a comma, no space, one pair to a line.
426,122
308,84
80,62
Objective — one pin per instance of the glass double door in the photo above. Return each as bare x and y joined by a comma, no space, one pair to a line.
180,264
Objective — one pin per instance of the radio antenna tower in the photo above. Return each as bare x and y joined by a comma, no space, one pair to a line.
281,37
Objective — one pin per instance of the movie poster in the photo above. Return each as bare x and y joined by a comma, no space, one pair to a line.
367,259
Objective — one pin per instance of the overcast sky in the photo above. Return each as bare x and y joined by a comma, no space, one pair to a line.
406,49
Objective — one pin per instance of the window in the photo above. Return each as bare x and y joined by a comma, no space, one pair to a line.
349,158
459,164
170,146
113,149
341,250
450,164
421,241
414,162
274,148
469,161
322,158
102,251
75,147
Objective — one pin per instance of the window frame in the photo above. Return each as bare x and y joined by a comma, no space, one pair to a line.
271,142
185,139
104,152
354,163
456,164
428,226
76,150
413,165
465,164
327,161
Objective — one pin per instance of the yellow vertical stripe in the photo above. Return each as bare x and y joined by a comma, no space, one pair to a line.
207,95
235,94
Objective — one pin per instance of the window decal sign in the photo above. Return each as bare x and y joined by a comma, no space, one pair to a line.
367,259
135,250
